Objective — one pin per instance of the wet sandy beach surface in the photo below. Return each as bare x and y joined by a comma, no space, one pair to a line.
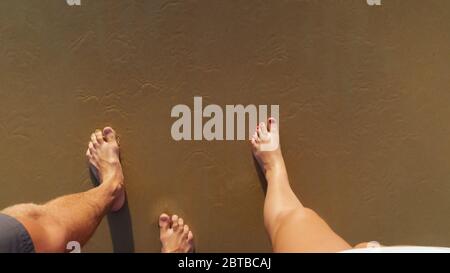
364,109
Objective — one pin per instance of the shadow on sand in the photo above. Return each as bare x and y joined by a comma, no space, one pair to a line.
119,223
262,178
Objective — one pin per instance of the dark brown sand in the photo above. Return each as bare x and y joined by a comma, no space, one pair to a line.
363,94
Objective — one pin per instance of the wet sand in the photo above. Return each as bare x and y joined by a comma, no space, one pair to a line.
364,109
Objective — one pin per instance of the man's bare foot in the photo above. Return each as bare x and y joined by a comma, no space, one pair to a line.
266,146
175,236
103,156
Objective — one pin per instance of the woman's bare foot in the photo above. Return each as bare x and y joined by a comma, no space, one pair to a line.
266,146
175,236
103,157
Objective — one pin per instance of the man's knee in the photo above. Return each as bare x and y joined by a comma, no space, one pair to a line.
47,232
28,211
